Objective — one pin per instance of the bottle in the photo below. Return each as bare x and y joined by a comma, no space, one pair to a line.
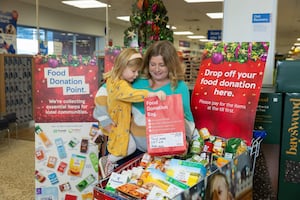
94,161
39,177
46,141
60,148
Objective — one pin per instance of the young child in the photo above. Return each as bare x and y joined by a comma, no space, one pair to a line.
120,95
218,188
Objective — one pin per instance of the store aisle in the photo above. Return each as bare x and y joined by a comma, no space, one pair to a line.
17,170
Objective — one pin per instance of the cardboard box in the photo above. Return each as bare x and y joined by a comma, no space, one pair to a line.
239,180
287,78
237,173
289,175
269,116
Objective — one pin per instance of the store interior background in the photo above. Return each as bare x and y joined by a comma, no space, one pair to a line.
53,15
186,17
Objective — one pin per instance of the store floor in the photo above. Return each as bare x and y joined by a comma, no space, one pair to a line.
17,170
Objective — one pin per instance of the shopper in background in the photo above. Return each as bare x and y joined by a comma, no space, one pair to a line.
161,70
120,95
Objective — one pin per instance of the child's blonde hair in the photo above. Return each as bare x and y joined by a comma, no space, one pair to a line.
210,188
129,57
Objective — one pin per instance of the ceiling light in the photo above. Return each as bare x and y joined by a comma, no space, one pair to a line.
298,39
196,36
202,1
124,18
217,15
296,44
206,40
183,33
85,4
172,27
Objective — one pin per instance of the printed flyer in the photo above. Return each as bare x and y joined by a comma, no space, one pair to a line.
65,87
8,31
227,88
66,161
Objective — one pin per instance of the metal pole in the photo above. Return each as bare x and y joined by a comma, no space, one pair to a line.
37,25
107,27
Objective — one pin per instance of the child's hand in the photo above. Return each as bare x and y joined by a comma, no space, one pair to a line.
161,95
109,127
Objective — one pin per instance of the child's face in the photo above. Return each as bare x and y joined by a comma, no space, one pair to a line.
220,191
130,74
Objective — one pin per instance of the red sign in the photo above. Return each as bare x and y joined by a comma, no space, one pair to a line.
109,59
227,88
165,125
64,89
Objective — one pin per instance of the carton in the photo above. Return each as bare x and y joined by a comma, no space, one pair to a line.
287,78
269,116
289,175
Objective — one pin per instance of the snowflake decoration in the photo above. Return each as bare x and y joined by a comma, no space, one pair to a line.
157,18
131,34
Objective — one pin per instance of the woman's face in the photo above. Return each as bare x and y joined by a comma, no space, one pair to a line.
157,68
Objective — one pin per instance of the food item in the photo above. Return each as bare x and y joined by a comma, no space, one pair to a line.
60,148
94,130
186,171
40,177
84,145
146,159
53,178
46,141
133,191
65,187
204,133
73,142
62,167
51,161
85,182
77,163
39,153
94,161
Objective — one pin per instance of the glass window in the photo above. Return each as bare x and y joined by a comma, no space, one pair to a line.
53,42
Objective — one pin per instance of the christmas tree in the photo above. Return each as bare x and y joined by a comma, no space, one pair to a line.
148,24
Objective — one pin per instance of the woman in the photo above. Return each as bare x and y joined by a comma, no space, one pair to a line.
161,70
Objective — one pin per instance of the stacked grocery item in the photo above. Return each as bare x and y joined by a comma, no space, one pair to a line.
168,177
